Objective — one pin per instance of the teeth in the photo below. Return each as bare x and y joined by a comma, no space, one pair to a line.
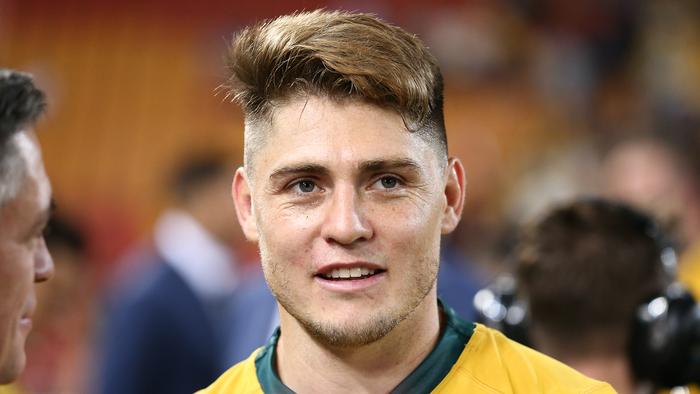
345,273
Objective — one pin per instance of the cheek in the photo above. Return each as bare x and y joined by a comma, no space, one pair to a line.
16,273
7,315
16,276
408,225
287,230
412,243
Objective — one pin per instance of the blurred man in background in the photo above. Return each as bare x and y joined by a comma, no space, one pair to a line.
25,199
585,269
167,324
660,173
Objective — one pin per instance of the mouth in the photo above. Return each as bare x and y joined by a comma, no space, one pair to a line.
349,271
355,273
25,321
350,277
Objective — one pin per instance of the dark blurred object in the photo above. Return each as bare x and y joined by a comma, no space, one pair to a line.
499,306
665,342
61,233
458,280
583,265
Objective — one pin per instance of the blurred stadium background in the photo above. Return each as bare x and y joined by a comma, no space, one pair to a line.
539,92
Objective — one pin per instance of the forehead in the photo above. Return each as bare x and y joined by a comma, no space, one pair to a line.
30,151
337,133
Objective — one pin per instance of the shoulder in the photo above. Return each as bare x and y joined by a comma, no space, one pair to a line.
492,363
241,378
154,301
150,287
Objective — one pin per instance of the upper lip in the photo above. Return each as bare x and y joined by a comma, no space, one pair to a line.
328,268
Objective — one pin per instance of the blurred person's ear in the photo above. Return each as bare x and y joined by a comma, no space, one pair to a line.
240,191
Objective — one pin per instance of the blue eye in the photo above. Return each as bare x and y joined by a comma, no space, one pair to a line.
389,182
306,186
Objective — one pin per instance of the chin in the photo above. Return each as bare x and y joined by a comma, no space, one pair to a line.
10,371
14,359
351,329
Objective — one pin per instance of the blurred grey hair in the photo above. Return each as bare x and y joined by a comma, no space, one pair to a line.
12,171
21,103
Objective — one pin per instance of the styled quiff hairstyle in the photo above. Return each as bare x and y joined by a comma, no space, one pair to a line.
337,55
584,268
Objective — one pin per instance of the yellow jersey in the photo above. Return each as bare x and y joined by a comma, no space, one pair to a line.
469,358
689,269
10,389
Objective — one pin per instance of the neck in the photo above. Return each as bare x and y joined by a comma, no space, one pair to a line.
307,366
614,369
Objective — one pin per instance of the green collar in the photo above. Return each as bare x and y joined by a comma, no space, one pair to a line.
423,379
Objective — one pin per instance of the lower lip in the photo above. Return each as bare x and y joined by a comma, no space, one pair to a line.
25,324
350,285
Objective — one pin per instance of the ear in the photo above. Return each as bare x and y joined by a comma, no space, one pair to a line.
455,185
242,199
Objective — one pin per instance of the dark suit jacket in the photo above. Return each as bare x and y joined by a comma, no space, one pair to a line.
253,313
458,282
158,337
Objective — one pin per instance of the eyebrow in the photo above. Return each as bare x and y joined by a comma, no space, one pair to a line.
390,164
312,169
367,166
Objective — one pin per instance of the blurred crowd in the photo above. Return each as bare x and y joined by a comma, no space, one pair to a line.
546,100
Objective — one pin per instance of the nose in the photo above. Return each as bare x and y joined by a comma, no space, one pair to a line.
344,222
43,263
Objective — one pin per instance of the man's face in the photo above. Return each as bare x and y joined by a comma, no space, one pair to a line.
24,258
348,208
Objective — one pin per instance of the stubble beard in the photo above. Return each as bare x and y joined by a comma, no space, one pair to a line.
355,332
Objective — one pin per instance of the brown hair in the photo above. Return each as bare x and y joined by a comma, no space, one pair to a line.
338,55
584,269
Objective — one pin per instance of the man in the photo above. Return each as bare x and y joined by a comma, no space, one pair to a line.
25,197
167,322
607,260
347,188
659,174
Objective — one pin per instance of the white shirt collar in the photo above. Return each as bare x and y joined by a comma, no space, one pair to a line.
206,265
